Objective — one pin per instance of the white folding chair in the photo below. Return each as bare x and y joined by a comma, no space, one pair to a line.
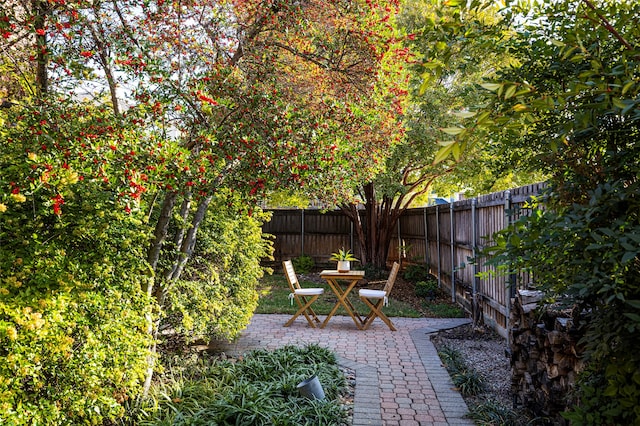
304,297
376,299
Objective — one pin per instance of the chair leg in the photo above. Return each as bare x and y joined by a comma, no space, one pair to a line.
304,308
376,311
313,314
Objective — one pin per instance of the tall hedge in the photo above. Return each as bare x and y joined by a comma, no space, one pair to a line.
218,293
73,339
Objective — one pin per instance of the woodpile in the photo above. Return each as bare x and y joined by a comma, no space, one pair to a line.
545,356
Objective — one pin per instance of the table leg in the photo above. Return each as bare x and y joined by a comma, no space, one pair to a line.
344,301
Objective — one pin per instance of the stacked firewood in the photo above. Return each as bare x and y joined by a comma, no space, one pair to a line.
544,356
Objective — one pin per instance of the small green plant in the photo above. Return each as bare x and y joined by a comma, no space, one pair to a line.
303,264
491,412
469,381
418,272
465,378
343,255
428,289
451,358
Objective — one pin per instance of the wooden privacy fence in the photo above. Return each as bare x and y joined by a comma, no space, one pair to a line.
445,237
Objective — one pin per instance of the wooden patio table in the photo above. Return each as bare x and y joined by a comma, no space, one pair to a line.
334,278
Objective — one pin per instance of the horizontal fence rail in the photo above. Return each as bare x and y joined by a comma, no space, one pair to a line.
445,237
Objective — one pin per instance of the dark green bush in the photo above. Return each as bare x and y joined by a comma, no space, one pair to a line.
303,264
417,272
374,273
428,289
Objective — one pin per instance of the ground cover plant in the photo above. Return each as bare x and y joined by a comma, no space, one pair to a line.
257,389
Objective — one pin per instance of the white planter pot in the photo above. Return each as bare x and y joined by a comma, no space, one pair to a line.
344,266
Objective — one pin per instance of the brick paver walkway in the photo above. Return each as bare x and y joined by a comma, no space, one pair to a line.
400,380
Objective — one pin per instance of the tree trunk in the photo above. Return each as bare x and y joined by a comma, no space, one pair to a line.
42,55
375,234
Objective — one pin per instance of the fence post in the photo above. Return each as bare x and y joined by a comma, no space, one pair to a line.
302,233
351,236
453,242
438,244
474,254
399,244
508,290
426,237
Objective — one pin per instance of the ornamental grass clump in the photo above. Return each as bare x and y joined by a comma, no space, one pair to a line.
469,381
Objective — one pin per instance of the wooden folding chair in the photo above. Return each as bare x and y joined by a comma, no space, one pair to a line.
304,297
376,299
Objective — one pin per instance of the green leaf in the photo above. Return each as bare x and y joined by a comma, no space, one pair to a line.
491,86
511,90
443,153
426,80
483,117
453,130
628,85
619,103
633,317
465,114
456,151
628,256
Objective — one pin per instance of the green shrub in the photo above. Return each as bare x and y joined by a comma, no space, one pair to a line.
598,254
303,264
374,273
73,338
219,293
417,272
73,312
428,289
468,381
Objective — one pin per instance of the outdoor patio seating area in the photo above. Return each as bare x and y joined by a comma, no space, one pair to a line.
341,284
400,380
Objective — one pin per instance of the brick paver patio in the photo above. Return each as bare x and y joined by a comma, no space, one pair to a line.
400,379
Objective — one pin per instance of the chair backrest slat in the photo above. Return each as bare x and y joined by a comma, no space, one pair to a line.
290,273
392,278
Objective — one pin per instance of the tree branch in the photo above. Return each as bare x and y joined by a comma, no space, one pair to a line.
607,25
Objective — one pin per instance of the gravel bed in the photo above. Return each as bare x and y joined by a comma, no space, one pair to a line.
484,351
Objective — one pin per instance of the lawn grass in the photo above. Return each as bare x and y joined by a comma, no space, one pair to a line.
274,299
445,310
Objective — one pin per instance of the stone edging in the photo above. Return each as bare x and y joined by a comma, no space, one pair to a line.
453,405
366,400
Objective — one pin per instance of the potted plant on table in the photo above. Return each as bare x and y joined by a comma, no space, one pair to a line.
344,259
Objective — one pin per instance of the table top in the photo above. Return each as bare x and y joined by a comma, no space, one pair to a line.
335,273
